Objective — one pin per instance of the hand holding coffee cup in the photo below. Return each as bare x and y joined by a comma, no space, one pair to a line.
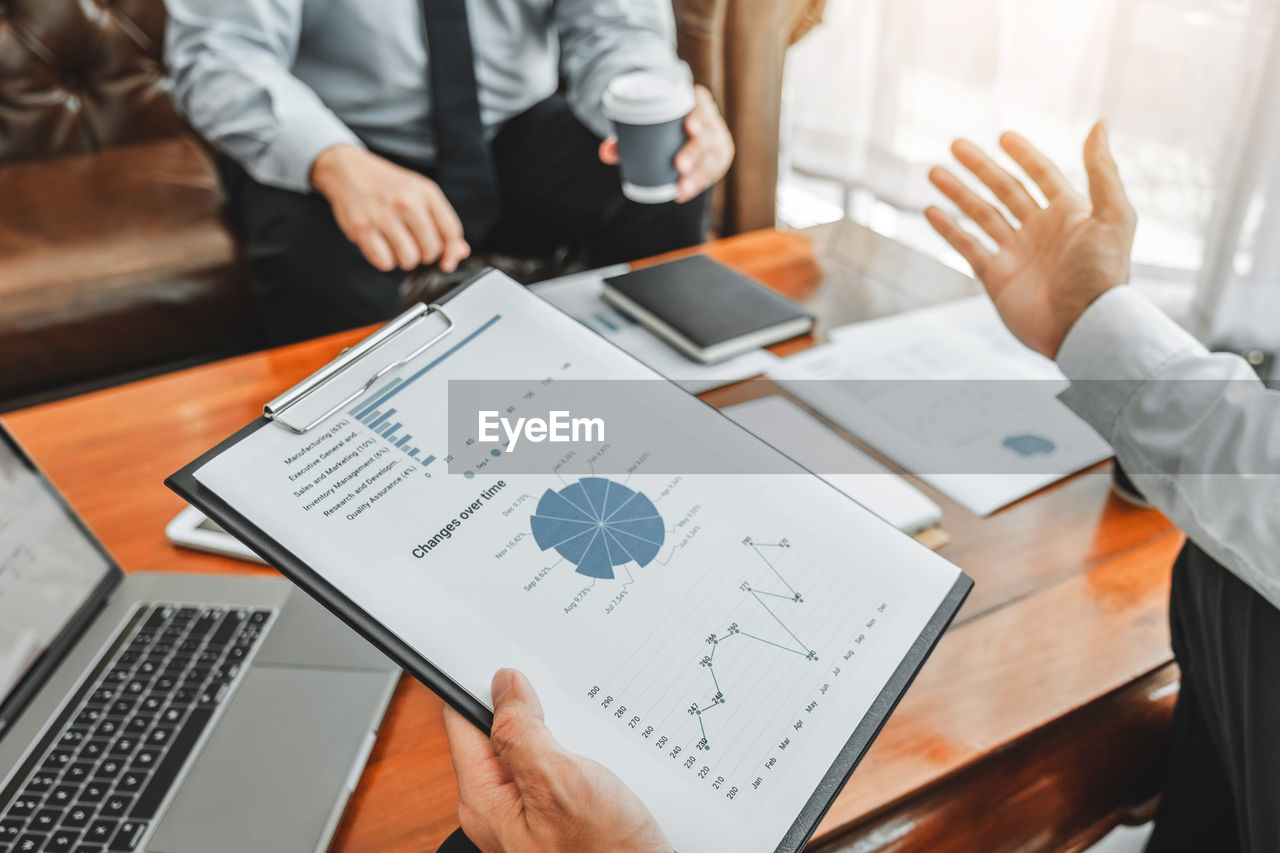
671,141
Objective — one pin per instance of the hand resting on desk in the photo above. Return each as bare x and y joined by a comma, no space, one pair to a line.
519,790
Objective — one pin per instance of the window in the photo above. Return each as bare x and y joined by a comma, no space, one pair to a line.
874,96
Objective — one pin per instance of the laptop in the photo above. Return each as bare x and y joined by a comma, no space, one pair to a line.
165,712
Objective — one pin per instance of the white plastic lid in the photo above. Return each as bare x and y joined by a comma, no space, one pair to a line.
649,97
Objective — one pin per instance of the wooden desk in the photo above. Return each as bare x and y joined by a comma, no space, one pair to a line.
1029,729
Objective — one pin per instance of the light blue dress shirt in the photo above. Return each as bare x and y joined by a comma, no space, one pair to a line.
273,83
1197,432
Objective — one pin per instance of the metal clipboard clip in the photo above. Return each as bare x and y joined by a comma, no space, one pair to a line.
277,408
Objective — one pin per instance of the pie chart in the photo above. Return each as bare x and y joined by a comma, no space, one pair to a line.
597,524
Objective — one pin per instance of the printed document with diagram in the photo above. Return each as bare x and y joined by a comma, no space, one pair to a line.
952,396
798,434
722,629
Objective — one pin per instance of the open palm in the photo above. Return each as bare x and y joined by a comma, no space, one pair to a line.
1061,257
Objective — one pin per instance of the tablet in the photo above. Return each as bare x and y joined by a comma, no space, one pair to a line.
192,529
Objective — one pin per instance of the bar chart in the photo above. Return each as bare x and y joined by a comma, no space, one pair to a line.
380,416
384,423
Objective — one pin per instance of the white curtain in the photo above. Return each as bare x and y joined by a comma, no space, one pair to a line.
875,95
1238,299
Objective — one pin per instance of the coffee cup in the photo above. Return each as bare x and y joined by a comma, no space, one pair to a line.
648,109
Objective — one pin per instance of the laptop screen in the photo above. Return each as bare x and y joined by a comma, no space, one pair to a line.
50,566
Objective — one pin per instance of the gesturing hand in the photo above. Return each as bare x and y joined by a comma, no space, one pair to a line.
519,790
705,158
1046,272
396,216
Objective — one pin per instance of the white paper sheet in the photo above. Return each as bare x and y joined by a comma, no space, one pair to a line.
798,434
971,322
966,438
579,296
718,663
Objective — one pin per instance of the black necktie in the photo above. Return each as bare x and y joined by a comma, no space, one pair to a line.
464,164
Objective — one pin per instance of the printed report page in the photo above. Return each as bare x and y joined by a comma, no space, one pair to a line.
714,638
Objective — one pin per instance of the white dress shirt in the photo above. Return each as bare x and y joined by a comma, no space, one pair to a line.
1198,433
273,83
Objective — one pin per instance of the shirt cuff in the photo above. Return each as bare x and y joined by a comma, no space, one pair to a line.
1120,342
301,139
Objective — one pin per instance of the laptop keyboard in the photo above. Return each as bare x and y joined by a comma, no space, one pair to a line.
101,773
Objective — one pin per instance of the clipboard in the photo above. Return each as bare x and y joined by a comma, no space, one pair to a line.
362,361
277,410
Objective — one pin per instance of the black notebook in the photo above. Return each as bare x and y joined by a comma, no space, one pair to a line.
704,309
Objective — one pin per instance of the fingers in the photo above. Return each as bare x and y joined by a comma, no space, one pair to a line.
455,247
609,151
519,736
701,163
454,253
1004,186
474,761
689,156
403,246
980,211
434,227
396,216
688,189
706,156
375,249
694,124
423,230
1037,166
691,163
1106,191
962,241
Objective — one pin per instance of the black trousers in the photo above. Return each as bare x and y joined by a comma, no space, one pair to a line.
1222,788
458,843
309,279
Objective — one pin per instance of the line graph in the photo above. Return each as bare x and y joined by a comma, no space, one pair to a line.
708,662
735,672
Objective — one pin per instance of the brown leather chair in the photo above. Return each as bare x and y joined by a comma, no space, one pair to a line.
736,49
113,251
114,254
